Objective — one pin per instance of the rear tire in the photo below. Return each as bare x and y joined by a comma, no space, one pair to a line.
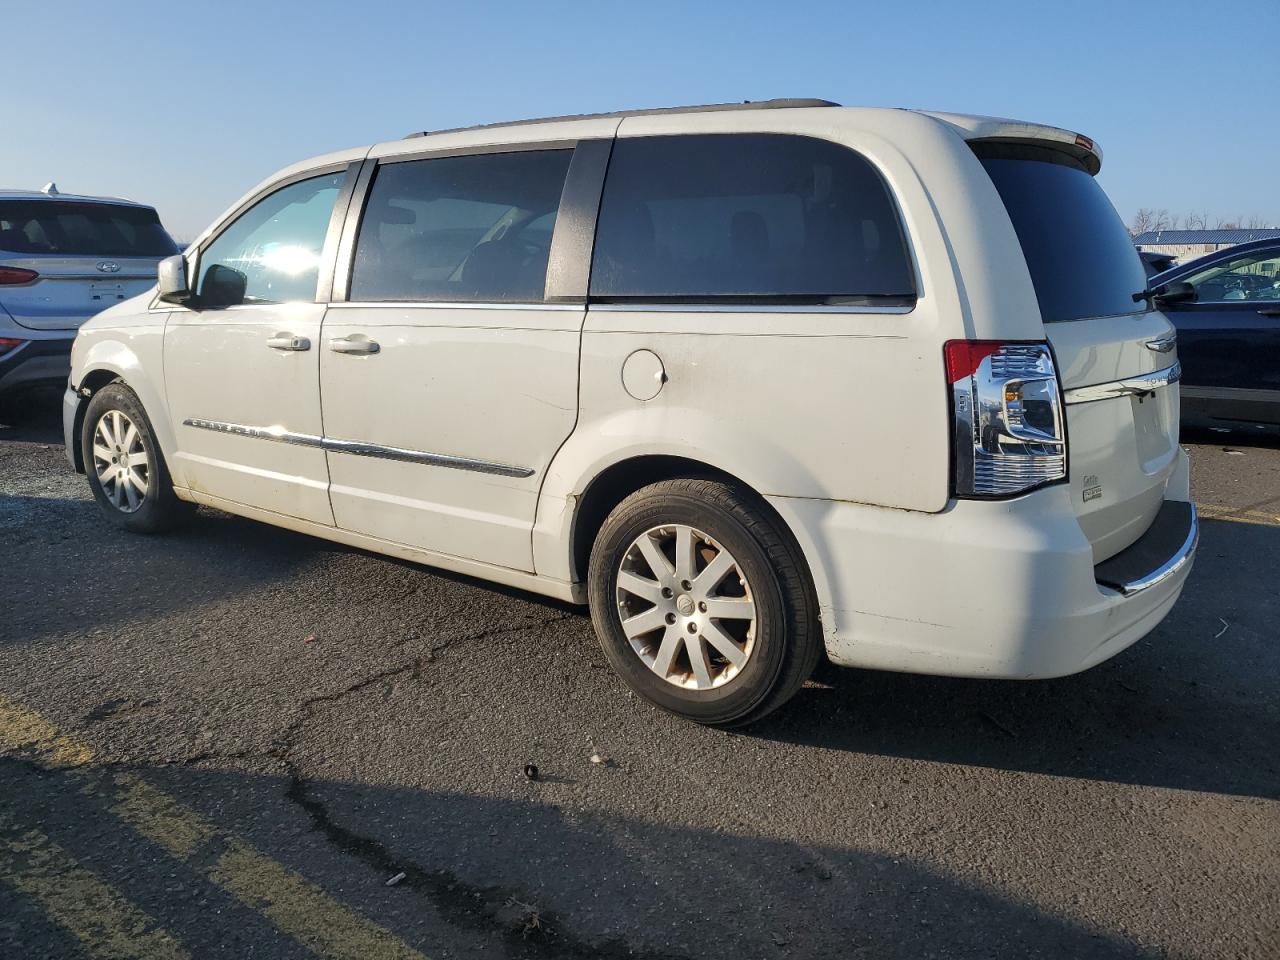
724,649
126,470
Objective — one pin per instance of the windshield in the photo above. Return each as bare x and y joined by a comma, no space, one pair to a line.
1081,258
79,228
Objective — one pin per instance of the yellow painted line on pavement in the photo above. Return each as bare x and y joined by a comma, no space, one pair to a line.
294,904
20,729
1209,511
105,922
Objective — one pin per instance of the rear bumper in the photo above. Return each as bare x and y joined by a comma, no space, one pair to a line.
985,589
36,362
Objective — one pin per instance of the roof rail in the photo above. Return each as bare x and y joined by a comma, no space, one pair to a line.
780,103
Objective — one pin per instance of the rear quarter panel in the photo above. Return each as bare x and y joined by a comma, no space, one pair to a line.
849,406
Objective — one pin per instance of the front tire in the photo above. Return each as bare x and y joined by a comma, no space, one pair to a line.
702,602
127,472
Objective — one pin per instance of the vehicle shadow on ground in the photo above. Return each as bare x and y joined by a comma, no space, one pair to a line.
517,877
1192,706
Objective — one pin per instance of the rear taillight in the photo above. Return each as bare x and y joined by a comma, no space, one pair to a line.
9,343
1006,402
13,275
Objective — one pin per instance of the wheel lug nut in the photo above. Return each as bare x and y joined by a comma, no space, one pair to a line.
692,628
671,618
686,585
702,605
666,592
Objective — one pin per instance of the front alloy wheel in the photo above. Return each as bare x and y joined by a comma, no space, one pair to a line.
120,461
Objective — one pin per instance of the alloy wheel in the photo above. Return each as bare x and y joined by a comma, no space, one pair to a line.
686,607
120,461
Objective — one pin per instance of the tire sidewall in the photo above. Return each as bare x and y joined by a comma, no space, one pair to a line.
753,684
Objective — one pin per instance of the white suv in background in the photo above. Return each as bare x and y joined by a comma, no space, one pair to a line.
64,258
755,381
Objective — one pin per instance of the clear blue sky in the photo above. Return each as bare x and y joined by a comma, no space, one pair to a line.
188,104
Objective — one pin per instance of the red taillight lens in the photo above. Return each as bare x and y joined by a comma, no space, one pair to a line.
9,343
13,275
1008,425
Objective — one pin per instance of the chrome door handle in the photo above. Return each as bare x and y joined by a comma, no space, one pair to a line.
1163,344
359,345
287,341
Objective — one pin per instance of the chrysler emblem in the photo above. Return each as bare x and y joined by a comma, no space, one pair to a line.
108,266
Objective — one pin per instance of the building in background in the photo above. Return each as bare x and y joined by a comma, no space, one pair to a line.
1184,245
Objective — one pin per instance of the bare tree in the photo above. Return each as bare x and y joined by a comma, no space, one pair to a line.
1147,219
1195,221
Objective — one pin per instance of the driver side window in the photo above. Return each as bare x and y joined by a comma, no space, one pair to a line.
1254,276
271,252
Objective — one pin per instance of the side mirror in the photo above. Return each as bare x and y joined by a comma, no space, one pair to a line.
223,286
172,275
1175,291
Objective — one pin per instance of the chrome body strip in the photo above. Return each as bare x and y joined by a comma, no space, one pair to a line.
737,308
1146,383
278,434
453,305
360,449
1171,566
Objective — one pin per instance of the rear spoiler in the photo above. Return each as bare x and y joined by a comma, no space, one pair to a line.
996,129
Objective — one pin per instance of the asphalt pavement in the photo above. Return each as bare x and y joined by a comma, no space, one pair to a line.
236,741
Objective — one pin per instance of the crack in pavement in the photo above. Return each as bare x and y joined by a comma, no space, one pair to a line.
523,930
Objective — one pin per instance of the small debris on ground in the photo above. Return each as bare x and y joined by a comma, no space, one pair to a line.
1232,453
309,638
530,771
997,724
396,879
1225,627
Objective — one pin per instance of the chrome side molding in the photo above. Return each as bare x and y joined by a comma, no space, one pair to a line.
360,449
1147,383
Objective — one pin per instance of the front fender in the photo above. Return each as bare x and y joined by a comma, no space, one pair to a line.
134,354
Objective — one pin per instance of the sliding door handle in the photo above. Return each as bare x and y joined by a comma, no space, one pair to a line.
355,344
287,341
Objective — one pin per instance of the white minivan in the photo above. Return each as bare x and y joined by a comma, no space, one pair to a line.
756,381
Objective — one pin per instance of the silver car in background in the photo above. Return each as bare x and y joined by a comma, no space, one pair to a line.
62,259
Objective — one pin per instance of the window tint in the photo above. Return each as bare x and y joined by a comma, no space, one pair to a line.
82,229
1251,276
747,216
1082,260
474,228
272,249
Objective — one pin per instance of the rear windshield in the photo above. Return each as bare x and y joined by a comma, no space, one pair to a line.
1082,260
89,229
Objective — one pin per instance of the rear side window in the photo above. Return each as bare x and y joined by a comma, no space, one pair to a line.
82,229
475,228
1082,260
769,217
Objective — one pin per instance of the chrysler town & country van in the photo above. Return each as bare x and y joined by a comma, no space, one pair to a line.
758,382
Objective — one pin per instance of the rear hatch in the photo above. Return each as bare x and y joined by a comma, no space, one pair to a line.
64,260
1123,446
